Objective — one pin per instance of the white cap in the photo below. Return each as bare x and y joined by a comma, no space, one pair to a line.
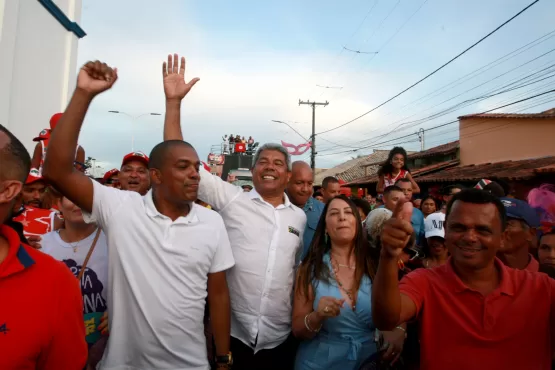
375,221
434,225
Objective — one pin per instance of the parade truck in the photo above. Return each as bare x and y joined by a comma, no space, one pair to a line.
238,164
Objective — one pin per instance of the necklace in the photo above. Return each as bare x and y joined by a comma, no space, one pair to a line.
348,266
349,292
76,244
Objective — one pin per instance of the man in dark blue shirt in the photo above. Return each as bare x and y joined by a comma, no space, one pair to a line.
299,190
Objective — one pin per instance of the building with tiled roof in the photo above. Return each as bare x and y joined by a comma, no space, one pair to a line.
518,149
499,137
353,169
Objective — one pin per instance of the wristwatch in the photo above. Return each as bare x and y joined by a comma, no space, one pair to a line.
225,359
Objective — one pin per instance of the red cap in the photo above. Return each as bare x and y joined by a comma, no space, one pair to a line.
33,176
135,156
54,120
43,135
107,175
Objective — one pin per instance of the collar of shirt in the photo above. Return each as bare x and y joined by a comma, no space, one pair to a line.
309,204
151,211
253,194
17,259
506,285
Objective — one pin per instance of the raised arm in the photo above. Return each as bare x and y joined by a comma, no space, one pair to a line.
93,78
175,89
381,184
415,187
389,307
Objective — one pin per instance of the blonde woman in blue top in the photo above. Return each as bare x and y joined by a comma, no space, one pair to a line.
331,310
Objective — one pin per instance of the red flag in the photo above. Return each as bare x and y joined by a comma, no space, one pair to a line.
296,149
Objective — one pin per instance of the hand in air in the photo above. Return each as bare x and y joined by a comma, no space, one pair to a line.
96,77
397,230
329,307
175,86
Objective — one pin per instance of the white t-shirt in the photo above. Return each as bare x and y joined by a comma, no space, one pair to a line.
94,282
158,280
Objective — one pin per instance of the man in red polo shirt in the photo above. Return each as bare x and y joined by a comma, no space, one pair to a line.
473,312
133,175
54,336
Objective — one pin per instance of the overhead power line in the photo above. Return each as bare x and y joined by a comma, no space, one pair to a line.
435,71
443,124
459,81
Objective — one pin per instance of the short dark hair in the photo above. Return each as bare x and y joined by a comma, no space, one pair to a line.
404,179
477,196
329,180
158,154
15,159
317,194
391,188
362,204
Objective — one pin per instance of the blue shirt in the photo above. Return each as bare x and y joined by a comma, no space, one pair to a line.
417,221
313,210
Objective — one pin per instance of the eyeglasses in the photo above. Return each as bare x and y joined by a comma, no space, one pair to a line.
112,181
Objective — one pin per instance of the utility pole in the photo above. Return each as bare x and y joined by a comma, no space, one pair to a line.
421,138
313,136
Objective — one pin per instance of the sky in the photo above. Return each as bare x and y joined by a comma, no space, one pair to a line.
256,59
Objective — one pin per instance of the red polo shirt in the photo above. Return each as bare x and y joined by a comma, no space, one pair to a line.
533,265
41,314
460,329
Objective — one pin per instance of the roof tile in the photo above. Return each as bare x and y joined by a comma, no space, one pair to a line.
510,170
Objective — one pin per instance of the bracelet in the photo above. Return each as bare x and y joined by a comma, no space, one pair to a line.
403,329
307,325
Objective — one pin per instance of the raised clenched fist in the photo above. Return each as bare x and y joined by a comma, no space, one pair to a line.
96,77
397,230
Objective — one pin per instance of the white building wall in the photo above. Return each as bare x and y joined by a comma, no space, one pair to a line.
37,65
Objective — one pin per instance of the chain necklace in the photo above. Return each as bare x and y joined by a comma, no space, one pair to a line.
74,245
349,292
348,266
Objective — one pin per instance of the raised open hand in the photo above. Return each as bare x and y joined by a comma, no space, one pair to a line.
175,86
96,77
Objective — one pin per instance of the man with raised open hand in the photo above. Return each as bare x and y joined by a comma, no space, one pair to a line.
165,251
474,309
266,232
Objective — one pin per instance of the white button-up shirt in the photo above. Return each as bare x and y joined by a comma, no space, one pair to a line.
158,273
265,241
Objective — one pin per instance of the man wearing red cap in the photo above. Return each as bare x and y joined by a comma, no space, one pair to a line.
42,145
53,338
110,178
35,220
133,175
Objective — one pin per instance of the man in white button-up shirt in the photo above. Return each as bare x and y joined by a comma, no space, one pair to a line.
265,231
166,254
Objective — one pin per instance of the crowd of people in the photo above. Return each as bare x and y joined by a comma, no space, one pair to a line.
162,265
238,144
